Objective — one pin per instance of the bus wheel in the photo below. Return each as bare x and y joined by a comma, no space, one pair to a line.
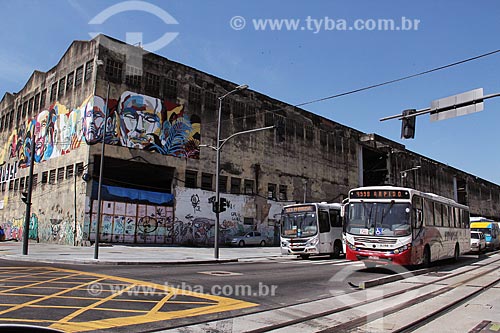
457,253
427,257
304,256
337,249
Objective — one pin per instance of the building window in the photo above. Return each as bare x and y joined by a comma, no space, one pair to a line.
69,171
11,185
52,176
79,76
251,119
30,106
35,180
206,181
269,119
194,96
322,138
36,104
271,191
21,184
53,92
19,110
248,220
299,131
223,184
133,76
152,84
248,184
79,169
170,89
190,178
235,185
282,195
60,174
62,87
43,98
239,110
69,81
25,110
114,70
309,133
16,184
210,101
89,67
45,177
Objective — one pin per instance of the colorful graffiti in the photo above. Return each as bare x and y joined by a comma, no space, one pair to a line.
143,122
135,121
14,229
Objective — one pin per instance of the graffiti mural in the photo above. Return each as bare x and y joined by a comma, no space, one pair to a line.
134,121
143,122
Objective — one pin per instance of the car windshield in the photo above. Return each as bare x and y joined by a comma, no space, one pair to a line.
299,224
381,219
474,235
485,231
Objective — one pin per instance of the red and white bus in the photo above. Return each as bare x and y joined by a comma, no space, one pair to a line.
403,226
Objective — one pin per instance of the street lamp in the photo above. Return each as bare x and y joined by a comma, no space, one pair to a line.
217,168
101,169
404,173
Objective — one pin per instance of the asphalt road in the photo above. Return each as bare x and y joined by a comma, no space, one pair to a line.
140,298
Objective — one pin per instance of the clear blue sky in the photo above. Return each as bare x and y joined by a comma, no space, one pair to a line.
305,64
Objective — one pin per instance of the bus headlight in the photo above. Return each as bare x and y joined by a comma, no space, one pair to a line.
402,249
313,242
285,243
352,247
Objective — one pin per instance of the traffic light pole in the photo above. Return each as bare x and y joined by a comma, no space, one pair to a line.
26,226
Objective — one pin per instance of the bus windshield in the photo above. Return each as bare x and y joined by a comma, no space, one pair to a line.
381,219
299,224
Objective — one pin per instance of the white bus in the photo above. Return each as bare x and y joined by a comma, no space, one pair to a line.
403,226
311,229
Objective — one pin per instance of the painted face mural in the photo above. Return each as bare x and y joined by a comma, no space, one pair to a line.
93,122
140,123
42,123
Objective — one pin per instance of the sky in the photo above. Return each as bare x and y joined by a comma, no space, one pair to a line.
323,48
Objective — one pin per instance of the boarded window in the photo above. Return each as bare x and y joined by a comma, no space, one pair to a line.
190,178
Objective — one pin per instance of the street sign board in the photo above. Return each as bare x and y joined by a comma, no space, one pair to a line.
458,105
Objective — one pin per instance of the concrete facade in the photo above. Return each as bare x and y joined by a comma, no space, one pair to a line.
158,181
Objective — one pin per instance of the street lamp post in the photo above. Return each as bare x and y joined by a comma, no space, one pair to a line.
404,174
101,169
218,146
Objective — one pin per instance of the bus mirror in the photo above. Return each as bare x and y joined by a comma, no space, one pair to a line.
419,217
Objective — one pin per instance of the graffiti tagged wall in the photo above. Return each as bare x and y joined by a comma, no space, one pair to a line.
135,121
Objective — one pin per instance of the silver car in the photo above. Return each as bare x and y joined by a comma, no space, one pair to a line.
249,238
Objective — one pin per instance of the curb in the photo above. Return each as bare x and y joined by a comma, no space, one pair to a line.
117,263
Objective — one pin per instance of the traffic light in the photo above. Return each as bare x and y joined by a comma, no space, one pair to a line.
408,124
24,197
222,205
280,130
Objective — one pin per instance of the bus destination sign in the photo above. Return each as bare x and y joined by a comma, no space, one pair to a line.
379,194
298,209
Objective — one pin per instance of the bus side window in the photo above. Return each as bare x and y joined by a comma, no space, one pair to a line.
324,223
335,220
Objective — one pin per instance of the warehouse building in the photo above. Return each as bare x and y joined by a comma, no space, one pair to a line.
158,179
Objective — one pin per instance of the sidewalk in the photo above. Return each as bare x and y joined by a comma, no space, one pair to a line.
121,254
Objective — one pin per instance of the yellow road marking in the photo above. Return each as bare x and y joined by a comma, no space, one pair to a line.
203,303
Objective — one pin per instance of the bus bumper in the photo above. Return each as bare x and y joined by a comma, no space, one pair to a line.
379,258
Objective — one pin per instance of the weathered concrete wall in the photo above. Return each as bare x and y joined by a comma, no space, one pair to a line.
318,161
